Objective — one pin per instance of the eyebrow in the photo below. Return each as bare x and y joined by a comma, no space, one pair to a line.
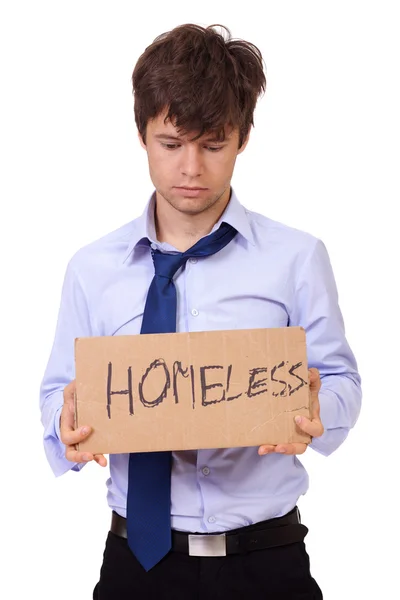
165,136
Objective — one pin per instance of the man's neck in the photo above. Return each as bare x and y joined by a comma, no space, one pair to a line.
183,230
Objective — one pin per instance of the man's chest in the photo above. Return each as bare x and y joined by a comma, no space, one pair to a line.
235,295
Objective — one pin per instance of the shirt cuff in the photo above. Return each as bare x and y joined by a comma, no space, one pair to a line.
333,436
55,449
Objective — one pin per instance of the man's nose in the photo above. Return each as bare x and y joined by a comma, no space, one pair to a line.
191,164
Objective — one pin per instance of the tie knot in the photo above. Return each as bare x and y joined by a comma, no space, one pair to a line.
166,265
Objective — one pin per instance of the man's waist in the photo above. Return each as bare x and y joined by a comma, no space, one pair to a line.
270,533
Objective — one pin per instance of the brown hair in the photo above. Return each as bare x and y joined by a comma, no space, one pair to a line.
204,81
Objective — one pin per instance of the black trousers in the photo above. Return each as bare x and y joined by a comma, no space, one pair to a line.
281,573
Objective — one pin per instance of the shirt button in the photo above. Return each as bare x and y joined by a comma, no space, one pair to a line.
195,312
193,260
206,471
211,519
154,246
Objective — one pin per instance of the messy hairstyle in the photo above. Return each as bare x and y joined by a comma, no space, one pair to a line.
204,81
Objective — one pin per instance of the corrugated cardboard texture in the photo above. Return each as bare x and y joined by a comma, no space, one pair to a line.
177,391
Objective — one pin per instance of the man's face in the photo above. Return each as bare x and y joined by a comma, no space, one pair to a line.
175,163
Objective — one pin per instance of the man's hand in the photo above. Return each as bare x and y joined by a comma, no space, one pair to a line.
70,436
313,427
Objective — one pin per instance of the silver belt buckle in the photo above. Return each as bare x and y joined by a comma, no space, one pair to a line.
207,545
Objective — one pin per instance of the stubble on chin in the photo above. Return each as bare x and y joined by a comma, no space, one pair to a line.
191,206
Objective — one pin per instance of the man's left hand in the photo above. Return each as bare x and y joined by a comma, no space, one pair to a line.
311,426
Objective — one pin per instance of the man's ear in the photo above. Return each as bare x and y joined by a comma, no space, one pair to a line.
245,142
141,140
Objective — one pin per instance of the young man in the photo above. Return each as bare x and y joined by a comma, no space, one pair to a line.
198,260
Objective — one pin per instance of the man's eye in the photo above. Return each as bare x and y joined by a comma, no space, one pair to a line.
175,146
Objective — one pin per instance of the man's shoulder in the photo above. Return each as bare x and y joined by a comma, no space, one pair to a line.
268,231
109,249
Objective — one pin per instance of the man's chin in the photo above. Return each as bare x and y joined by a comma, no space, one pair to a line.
190,206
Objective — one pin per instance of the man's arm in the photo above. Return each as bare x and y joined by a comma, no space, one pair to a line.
316,309
73,321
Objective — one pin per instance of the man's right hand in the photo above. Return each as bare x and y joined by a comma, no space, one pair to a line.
71,436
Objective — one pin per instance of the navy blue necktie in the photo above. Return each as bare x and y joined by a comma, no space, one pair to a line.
149,483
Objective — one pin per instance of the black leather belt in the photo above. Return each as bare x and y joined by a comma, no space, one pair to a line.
266,534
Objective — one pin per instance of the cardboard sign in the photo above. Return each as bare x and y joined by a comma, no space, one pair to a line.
180,391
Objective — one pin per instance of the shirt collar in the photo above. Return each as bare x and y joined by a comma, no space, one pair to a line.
235,214
145,231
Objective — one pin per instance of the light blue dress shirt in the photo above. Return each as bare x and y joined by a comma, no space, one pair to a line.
270,275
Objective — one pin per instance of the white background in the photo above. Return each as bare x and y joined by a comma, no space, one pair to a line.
323,157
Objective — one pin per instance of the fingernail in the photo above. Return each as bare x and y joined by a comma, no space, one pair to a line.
298,419
85,430
282,451
86,457
263,451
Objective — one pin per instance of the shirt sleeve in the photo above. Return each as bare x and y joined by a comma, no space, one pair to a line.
73,321
316,308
